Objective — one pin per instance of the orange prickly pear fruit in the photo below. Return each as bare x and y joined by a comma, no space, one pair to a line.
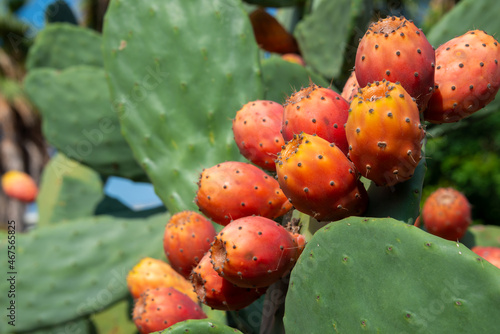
384,133
467,77
19,185
319,180
396,50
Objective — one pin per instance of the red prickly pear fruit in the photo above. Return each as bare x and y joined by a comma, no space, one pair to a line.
467,77
384,133
253,252
319,180
490,254
294,58
316,110
231,190
447,214
256,130
159,308
396,50
21,186
351,87
300,241
215,291
151,273
187,238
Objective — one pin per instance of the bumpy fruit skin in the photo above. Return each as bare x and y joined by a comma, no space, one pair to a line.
384,133
256,130
231,190
396,50
490,254
21,186
351,87
447,214
319,180
215,291
159,308
151,273
316,110
253,252
187,238
467,77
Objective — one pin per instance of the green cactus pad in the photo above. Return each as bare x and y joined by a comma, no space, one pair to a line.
384,276
483,235
177,83
323,35
67,190
282,78
78,268
401,202
78,118
61,45
199,326
275,3
466,15
83,326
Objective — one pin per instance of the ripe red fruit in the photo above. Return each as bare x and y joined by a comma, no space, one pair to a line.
253,252
351,87
215,291
384,133
187,238
447,214
490,254
151,273
19,185
316,110
231,190
256,130
160,308
396,50
467,77
319,180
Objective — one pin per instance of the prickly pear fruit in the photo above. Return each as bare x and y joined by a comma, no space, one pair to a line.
21,186
231,190
187,238
351,87
490,254
319,180
467,77
294,58
256,130
151,273
253,252
394,49
159,308
316,110
384,133
447,214
215,291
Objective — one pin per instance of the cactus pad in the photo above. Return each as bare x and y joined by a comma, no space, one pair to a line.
68,190
177,83
361,274
78,118
199,326
78,268
61,45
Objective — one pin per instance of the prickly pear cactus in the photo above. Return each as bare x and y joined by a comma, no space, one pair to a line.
67,190
61,45
383,275
83,267
199,326
176,86
78,118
